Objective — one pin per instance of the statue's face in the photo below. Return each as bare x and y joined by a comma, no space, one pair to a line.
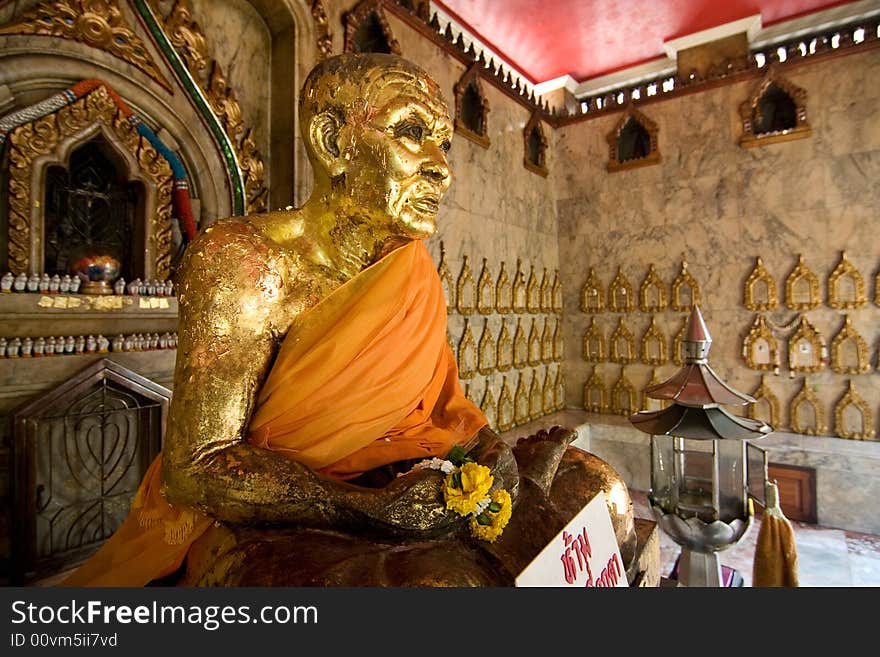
398,167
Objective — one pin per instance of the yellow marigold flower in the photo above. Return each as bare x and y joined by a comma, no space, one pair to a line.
497,520
476,480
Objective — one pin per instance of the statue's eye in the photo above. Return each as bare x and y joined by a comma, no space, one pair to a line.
414,132
446,145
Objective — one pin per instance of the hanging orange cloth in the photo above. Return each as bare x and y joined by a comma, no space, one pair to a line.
775,550
363,379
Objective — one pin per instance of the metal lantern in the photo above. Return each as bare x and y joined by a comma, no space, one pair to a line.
701,484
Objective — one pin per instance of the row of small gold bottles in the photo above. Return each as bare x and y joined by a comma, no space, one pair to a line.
529,401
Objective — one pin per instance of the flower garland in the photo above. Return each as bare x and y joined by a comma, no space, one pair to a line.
466,491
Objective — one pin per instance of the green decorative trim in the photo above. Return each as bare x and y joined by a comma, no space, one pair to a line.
192,87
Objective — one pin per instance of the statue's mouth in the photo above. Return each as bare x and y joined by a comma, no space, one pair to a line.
427,204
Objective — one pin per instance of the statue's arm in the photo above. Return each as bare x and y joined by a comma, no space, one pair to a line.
230,294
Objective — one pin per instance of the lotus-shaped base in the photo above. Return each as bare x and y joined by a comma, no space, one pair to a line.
700,536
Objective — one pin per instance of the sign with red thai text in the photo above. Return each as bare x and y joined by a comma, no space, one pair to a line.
584,553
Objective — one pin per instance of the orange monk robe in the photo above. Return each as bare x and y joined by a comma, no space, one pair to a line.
363,379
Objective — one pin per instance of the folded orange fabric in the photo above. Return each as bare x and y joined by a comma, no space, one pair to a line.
363,379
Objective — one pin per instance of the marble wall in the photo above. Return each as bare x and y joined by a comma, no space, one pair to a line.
718,206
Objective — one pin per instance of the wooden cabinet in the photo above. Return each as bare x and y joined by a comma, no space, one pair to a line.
797,490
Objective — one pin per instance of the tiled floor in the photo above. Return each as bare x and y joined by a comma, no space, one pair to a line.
826,557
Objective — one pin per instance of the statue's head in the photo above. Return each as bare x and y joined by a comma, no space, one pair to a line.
377,130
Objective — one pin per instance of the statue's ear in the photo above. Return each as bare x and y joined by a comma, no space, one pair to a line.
324,136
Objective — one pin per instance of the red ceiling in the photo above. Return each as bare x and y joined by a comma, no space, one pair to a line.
587,38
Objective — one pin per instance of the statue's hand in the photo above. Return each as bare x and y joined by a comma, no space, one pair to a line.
497,455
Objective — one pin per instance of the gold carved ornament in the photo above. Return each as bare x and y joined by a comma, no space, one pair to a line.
854,399
764,393
191,44
465,290
520,298
521,401
799,276
556,293
592,294
623,396
534,358
845,270
489,406
558,342
536,398
594,343
559,389
653,345
43,136
322,29
677,342
620,294
467,353
652,292
684,285
505,413
649,403
806,345
470,80
758,340
548,395
806,396
546,342
752,299
533,294
446,281
520,346
595,393
849,334
750,111
546,294
504,348
621,345
503,301
485,291
96,23
365,13
613,139
486,351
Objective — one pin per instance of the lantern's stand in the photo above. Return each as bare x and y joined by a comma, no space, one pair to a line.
690,508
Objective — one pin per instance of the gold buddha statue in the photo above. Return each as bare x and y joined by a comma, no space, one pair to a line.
313,373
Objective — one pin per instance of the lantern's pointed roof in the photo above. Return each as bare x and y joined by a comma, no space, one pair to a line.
697,331
697,385
699,423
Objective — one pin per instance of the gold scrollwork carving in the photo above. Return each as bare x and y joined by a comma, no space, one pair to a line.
760,348
813,426
799,277
43,136
520,346
486,356
558,342
503,348
751,112
653,345
489,406
505,413
621,344
852,399
485,290
594,343
559,389
546,293
620,294
763,393
446,281
760,279
652,292
520,298
677,343
556,293
685,290
623,396
595,393
592,294
534,345
467,353
546,342
98,24
465,290
323,35
521,401
846,271
846,336
533,293
536,398
503,301
368,14
806,348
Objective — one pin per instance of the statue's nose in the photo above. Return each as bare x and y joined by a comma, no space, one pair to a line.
436,168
